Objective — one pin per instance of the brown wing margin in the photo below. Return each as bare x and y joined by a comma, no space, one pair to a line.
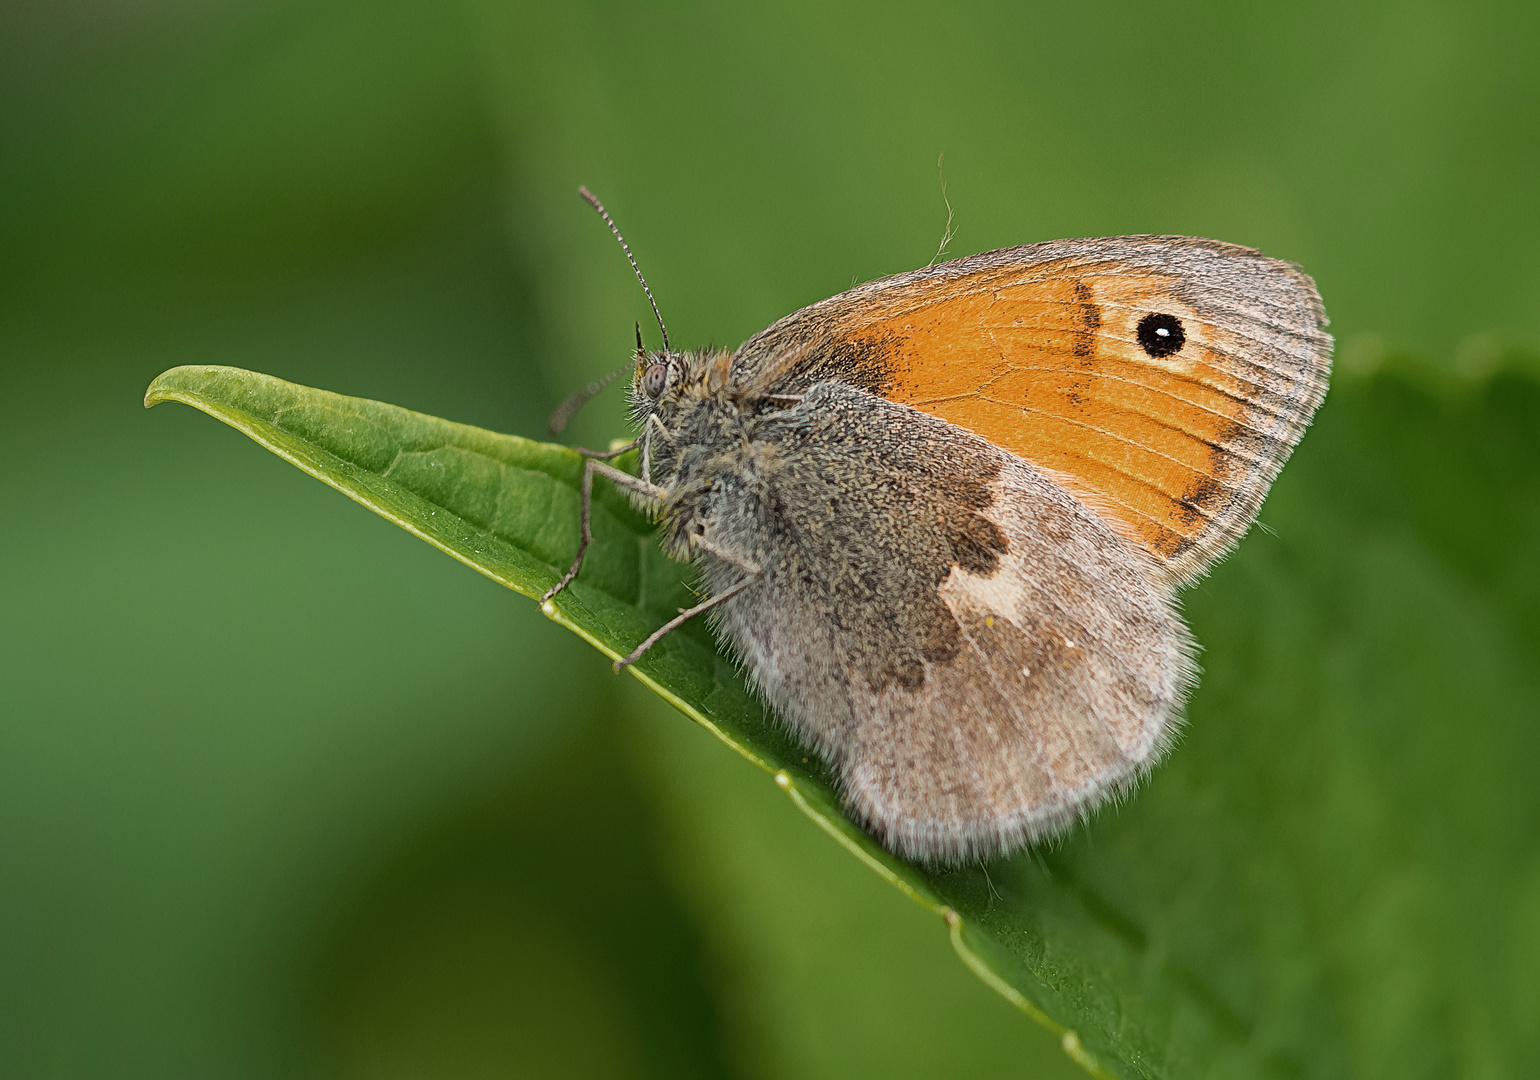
1038,349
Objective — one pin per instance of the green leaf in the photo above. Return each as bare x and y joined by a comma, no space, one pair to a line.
1337,872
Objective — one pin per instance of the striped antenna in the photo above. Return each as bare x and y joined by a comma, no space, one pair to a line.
605,214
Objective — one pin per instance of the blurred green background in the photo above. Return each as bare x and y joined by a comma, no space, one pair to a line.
284,791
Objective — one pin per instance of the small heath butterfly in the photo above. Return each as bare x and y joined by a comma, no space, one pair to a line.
941,518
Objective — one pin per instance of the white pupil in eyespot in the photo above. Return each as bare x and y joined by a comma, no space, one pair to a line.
1163,332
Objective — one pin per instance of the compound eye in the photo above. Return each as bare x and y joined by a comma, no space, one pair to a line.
655,379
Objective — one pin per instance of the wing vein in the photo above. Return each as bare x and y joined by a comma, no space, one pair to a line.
1113,406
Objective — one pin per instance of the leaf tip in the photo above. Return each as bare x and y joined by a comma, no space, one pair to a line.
155,393
166,385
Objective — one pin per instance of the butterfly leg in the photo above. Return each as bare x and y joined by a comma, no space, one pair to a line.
686,614
646,440
620,479
607,455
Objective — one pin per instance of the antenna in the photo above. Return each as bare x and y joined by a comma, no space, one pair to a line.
576,400
605,214
946,236
565,411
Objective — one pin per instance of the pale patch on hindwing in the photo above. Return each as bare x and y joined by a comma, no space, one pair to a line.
1068,688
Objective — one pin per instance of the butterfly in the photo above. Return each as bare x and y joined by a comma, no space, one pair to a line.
941,519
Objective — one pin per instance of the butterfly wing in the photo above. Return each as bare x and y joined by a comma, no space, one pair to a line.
978,654
1163,380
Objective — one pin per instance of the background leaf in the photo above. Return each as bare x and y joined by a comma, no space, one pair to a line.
1293,894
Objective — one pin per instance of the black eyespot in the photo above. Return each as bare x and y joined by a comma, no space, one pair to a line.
655,379
1161,335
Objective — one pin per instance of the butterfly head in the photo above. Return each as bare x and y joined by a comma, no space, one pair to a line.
665,382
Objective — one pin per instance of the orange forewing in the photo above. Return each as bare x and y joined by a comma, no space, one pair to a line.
1030,369
1041,356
